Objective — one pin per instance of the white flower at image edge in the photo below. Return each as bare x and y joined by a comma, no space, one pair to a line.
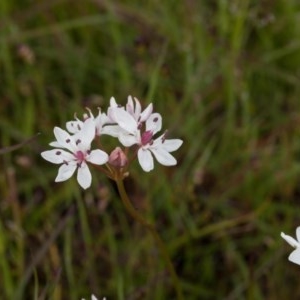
295,255
77,155
94,298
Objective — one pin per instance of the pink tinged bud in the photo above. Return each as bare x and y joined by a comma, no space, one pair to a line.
146,137
118,158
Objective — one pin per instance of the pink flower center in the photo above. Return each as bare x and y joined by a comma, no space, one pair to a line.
80,156
146,137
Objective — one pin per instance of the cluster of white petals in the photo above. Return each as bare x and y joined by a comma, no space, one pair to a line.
74,152
131,125
137,127
295,255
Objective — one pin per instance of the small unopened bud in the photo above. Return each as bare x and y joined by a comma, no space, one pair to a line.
118,158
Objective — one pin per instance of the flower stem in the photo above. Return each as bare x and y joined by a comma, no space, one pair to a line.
151,228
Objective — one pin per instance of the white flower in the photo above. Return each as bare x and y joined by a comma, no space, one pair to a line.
129,120
77,155
295,255
160,148
94,298
131,124
132,132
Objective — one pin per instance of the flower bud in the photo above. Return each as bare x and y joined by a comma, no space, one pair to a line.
118,158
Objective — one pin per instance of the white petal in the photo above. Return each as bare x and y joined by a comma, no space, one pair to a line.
138,108
154,123
74,126
56,144
113,102
97,157
145,159
100,120
130,106
56,156
61,135
298,234
64,138
65,172
87,134
84,176
94,297
128,140
146,113
124,120
112,130
164,157
295,256
105,119
171,145
113,105
290,240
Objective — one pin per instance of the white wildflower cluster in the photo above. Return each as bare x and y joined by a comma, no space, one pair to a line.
134,128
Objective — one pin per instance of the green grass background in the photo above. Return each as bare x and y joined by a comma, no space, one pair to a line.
225,75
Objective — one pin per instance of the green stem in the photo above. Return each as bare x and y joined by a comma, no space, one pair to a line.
151,228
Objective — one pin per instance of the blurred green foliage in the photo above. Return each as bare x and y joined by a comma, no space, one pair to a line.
225,76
